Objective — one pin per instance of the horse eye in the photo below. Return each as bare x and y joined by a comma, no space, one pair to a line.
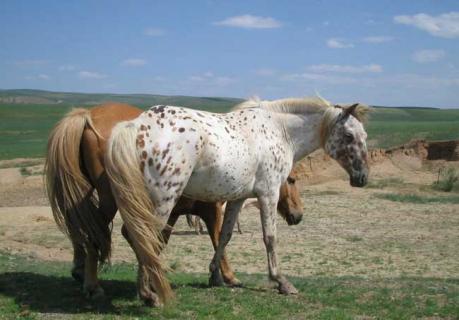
348,137
291,180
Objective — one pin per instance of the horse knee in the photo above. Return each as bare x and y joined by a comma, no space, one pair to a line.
269,241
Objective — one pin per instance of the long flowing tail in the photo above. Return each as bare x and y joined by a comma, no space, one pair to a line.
70,193
144,226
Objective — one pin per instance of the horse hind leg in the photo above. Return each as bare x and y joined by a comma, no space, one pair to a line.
79,257
105,214
144,288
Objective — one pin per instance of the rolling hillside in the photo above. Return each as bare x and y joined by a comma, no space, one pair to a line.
28,115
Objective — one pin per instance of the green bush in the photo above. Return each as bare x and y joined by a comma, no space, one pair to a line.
448,180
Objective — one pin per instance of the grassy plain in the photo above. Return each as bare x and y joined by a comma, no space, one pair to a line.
23,281
24,128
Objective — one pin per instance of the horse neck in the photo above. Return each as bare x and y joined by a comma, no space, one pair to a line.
302,132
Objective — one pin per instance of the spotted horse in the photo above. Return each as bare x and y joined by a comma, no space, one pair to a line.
171,151
83,205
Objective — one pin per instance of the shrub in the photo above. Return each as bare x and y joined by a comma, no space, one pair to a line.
448,180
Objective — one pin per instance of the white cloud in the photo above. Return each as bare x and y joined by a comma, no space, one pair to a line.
41,76
209,79
322,78
445,25
337,43
67,67
411,80
154,32
426,56
202,77
265,72
248,21
133,62
196,78
377,39
371,68
91,75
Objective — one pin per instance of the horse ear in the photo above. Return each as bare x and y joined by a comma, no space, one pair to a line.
350,110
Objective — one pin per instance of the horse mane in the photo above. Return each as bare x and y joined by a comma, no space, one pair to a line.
308,105
289,105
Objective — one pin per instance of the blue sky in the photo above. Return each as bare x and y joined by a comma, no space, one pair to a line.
379,52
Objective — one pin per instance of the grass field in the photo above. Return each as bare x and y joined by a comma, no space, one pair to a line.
23,281
24,128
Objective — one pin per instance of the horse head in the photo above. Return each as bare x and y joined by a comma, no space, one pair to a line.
346,143
290,205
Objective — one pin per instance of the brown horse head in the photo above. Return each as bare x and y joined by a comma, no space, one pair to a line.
290,205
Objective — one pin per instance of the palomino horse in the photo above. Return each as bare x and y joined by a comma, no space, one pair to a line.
168,151
75,169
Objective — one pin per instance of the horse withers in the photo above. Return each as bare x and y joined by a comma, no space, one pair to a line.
170,151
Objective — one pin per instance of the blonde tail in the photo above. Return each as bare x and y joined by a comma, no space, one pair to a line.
144,226
69,191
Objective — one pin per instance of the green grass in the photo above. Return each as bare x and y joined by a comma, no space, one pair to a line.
448,180
31,289
384,183
24,128
387,134
414,198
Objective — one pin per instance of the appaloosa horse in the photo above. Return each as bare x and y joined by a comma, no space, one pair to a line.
75,169
168,151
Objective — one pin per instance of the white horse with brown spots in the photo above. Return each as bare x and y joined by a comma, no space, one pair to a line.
169,151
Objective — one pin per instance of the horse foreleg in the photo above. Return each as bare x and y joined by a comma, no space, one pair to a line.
268,222
171,221
232,211
212,215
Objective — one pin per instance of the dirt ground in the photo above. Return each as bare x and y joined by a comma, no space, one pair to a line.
345,230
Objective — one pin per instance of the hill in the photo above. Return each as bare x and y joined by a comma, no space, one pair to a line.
28,115
40,97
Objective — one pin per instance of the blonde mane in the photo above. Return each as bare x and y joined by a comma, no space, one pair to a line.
289,105
307,105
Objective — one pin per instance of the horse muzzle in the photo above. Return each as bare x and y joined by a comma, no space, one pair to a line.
359,179
293,219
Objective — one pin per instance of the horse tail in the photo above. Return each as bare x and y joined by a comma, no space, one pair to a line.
125,171
69,191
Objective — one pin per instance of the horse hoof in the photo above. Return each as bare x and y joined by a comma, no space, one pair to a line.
150,299
96,293
216,280
233,282
287,288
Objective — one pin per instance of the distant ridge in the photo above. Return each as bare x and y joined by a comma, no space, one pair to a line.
32,96
42,97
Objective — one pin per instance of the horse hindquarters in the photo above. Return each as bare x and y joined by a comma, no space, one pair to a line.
69,191
137,211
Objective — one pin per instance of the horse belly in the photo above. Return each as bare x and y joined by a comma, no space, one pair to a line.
208,186
222,174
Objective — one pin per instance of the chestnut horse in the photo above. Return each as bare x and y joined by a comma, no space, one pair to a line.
75,169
